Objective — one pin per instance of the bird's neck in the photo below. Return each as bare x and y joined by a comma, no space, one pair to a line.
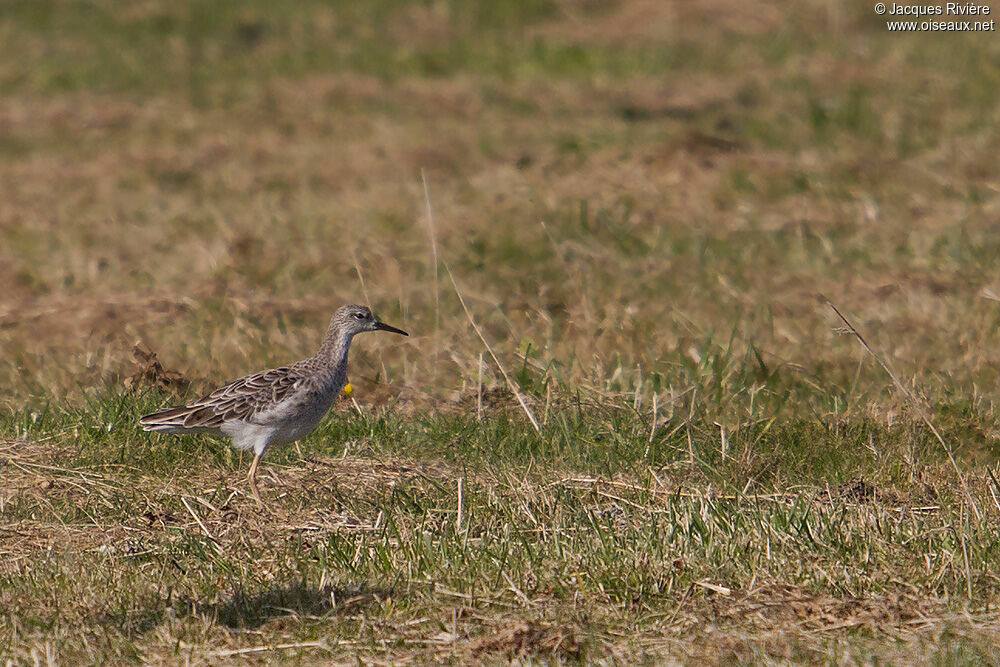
333,352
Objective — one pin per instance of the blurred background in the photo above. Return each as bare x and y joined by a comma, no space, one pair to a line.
635,197
642,204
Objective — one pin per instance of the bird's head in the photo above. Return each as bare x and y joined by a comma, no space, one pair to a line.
354,319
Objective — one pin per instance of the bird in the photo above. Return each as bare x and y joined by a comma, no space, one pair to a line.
276,406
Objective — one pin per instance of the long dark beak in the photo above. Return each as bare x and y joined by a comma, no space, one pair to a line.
381,326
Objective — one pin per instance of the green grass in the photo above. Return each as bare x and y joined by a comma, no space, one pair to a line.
211,50
641,205
580,530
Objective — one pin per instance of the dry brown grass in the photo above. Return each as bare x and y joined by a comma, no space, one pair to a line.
123,228
637,199
110,568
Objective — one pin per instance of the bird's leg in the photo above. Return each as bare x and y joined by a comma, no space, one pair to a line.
252,478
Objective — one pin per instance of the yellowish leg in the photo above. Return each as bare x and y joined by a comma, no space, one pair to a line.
252,478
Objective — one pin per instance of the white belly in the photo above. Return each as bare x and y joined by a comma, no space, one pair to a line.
285,423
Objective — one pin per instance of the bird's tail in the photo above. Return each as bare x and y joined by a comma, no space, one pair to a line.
172,420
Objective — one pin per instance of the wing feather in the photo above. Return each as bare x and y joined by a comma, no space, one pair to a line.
242,399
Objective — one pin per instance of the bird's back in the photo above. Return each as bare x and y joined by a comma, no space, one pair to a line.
248,399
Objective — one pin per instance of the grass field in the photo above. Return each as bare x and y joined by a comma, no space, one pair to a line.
643,205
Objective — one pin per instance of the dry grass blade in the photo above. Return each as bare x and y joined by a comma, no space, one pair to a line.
459,517
506,377
361,278
715,588
472,321
434,258
915,404
199,522
321,644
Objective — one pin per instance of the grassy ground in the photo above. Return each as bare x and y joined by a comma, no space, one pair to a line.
640,203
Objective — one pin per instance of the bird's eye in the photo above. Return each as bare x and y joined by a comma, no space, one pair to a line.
360,316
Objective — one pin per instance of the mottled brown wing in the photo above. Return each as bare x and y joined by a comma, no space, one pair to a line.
241,399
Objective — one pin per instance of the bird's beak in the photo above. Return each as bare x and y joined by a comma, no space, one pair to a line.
381,326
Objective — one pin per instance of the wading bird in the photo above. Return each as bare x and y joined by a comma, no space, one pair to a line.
276,406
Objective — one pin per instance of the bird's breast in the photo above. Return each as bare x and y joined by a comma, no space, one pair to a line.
301,415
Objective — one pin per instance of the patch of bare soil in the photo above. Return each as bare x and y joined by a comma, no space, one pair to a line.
362,476
497,399
861,492
517,640
104,318
786,607
650,20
